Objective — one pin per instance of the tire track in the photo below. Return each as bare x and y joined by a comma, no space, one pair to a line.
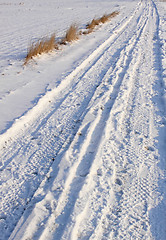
102,224
27,172
71,184
28,168
143,187
136,174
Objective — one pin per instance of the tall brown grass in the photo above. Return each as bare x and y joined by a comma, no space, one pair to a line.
43,45
72,34
104,18
93,24
48,44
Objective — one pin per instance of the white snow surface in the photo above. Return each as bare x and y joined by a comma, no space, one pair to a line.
83,128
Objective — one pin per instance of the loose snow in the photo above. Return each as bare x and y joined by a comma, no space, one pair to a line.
82,129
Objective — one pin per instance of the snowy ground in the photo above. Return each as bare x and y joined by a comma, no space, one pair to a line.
82,130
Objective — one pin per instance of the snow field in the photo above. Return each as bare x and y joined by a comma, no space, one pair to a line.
88,160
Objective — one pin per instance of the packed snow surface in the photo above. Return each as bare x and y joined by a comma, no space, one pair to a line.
82,128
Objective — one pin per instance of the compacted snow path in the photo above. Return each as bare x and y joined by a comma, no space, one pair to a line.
88,161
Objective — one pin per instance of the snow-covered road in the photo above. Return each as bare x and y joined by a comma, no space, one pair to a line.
88,160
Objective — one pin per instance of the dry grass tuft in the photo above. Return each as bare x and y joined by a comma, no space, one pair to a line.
105,18
44,45
93,24
113,14
72,34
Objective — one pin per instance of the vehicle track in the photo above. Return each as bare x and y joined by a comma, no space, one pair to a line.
126,199
23,176
105,192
